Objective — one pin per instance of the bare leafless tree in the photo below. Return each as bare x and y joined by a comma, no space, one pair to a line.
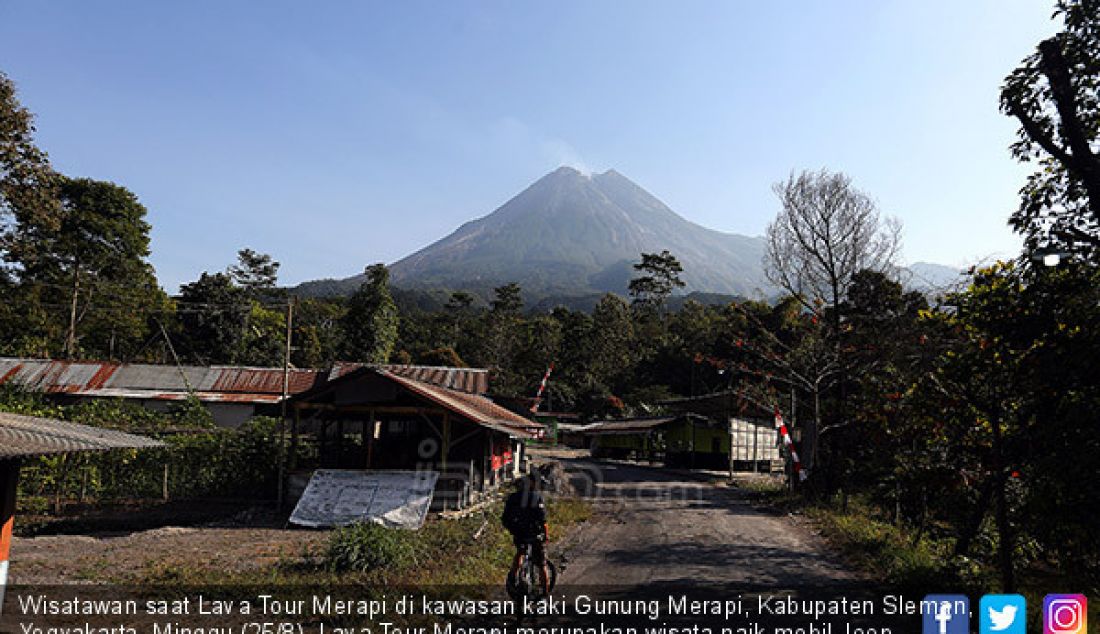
826,232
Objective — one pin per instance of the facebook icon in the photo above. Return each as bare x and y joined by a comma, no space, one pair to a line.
945,614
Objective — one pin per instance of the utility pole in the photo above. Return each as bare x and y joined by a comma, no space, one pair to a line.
286,394
70,335
729,424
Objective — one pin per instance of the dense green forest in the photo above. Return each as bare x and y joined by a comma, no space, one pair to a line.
972,413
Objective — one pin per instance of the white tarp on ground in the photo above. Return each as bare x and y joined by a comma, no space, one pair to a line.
336,497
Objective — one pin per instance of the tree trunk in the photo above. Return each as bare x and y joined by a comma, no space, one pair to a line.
1005,542
810,438
809,443
962,546
1083,162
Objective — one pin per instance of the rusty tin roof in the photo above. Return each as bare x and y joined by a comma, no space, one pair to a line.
226,384
473,407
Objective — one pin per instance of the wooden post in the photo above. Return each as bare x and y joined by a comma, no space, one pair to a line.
340,443
755,444
293,461
443,455
692,423
164,483
282,408
487,462
9,479
470,480
729,425
60,484
446,442
373,425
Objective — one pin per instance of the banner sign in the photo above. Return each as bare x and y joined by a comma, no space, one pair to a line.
334,497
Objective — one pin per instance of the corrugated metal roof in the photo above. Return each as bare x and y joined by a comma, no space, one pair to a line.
471,380
639,425
206,397
215,384
473,407
94,378
34,436
721,405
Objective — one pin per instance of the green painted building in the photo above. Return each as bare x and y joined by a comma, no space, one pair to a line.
748,426
679,440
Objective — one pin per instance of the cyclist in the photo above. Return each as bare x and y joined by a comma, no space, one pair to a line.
525,518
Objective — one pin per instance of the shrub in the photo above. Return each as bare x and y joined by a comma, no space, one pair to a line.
368,547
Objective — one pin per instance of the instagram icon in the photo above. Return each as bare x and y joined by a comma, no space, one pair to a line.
1065,614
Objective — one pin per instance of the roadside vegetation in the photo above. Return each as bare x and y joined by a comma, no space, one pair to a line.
906,558
198,461
472,551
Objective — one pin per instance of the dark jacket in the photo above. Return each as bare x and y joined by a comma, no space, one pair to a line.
524,514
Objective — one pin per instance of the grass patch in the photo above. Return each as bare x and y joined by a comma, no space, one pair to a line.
868,541
471,551
890,552
367,547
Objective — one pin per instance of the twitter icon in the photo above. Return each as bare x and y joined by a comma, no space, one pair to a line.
1003,614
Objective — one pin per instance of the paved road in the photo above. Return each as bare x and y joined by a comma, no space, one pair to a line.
654,527
657,535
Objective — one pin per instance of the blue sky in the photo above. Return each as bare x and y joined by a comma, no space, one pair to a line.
333,135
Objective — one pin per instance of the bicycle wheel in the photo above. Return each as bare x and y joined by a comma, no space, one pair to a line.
515,585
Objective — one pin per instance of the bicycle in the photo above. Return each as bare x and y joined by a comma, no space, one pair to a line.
526,583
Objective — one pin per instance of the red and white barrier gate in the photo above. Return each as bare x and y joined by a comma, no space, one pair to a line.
789,444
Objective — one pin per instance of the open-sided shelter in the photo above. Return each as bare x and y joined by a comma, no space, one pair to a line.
28,436
385,417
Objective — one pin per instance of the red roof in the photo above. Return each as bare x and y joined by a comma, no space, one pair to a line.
471,380
473,407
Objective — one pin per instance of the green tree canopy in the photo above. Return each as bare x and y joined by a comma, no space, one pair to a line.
318,332
28,194
611,344
1055,96
371,322
507,300
213,316
256,273
659,277
92,265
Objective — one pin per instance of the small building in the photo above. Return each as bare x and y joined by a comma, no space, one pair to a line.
748,428
562,428
394,417
679,440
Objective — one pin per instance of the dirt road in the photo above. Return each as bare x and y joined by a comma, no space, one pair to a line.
653,527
